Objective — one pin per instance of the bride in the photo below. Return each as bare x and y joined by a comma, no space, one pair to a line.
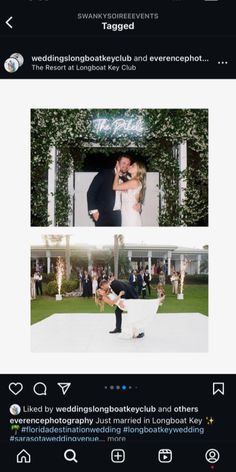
105,296
133,193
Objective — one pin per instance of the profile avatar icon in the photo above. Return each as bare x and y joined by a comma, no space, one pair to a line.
212,456
15,409
14,62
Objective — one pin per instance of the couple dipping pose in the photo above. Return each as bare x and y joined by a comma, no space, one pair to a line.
139,313
115,196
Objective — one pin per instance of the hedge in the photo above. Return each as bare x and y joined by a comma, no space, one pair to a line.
67,287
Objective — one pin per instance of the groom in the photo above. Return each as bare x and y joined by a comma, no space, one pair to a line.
117,286
104,203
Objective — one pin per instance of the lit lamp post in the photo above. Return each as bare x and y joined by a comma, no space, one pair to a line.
59,276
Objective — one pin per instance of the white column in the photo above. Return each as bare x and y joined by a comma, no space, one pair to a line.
182,157
181,262
71,191
68,267
130,255
48,256
149,262
52,186
169,262
90,262
199,258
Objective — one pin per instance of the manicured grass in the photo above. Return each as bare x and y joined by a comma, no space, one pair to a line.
195,300
43,307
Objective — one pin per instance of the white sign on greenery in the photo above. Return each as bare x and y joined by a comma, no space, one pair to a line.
119,126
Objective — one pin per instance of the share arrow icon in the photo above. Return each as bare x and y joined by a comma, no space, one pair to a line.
64,386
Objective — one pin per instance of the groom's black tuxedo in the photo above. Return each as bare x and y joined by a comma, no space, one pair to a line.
130,292
117,286
101,197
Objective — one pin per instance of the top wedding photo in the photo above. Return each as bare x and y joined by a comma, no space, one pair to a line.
119,167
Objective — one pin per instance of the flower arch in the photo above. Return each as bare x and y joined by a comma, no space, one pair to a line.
164,130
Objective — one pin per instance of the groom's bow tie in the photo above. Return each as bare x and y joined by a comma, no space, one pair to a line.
125,177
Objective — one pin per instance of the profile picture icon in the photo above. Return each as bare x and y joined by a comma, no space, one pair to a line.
13,63
15,409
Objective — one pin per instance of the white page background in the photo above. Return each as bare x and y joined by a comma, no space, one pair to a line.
17,97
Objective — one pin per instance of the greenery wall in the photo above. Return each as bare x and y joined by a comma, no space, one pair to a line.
72,129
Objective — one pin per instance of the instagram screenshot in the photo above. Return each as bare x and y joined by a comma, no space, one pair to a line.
117,336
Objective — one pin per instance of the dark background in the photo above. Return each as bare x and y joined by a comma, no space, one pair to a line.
184,27
188,451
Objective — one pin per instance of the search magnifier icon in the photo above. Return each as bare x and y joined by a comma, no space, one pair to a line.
70,455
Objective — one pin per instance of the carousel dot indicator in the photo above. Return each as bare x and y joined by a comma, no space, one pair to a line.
112,387
124,387
118,387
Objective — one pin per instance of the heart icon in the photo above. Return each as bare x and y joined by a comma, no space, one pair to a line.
15,387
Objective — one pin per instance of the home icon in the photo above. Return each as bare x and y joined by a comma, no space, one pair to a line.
23,457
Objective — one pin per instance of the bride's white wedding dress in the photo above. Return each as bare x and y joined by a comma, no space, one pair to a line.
139,313
130,216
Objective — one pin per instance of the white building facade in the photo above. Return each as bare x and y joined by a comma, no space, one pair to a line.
154,258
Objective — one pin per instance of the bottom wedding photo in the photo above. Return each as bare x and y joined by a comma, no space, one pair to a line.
126,292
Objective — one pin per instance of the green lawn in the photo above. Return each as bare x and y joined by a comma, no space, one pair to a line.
195,300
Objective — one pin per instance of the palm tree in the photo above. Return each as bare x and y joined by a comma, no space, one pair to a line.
118,243
15,428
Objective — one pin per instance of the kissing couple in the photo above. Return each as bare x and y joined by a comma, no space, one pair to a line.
115,196
139,313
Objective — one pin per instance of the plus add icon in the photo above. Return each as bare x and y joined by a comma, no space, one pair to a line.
118,456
